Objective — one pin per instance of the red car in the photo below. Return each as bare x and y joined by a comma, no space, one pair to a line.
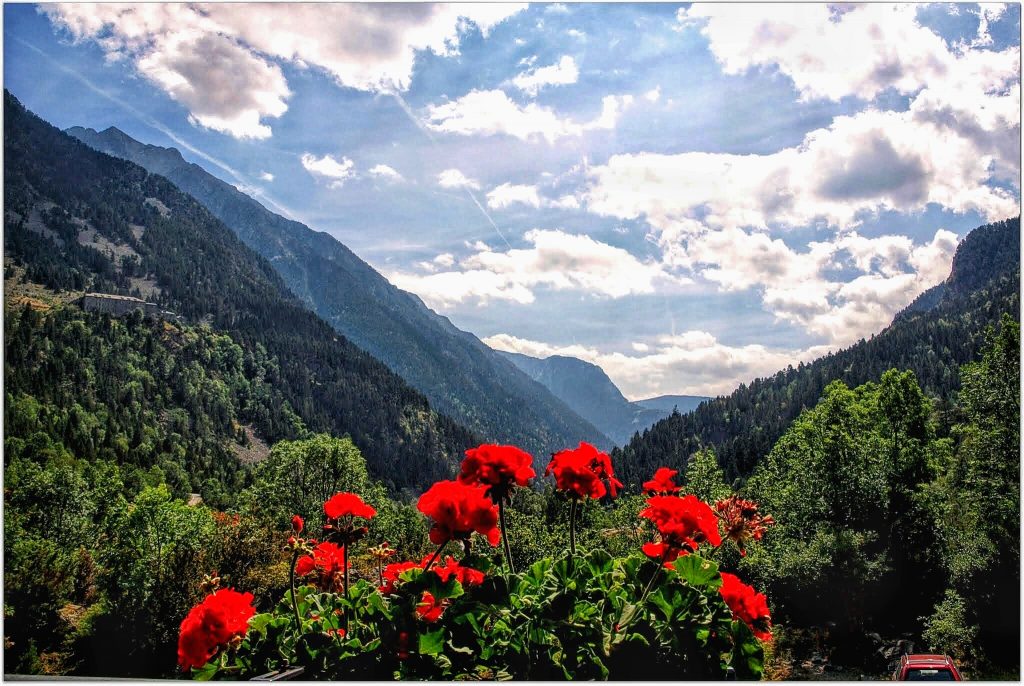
926,668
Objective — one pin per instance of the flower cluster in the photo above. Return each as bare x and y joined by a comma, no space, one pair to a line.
392,572
662,483
583,472
684,523
458,510
467,576
499,467
348,505
213,623
327,558
747,605
742,521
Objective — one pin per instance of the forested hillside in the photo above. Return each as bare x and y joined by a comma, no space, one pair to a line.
933,339
462,377
80,220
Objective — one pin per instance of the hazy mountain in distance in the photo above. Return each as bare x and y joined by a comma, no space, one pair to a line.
667,403
459,375
587,389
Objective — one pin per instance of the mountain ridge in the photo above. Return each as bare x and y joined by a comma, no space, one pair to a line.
939,332
57,191
458,373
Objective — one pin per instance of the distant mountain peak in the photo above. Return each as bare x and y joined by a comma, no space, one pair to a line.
588,390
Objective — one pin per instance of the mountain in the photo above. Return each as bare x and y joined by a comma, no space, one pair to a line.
942,330
668,403
461,376
77,219
590,393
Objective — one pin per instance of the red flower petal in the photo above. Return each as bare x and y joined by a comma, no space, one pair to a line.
342,504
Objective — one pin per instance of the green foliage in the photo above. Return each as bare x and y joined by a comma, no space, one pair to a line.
977,500
947,630
845,485
704,478
298,476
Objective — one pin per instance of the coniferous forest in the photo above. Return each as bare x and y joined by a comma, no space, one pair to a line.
231,488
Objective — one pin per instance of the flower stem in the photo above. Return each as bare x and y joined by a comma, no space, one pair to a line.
650,583
434,558
344,564
291,583
504,536
572,528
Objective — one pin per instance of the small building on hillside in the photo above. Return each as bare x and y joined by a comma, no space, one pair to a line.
116,305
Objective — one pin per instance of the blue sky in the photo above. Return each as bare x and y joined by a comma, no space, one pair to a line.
689,196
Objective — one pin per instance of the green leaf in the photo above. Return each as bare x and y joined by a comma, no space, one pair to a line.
658,600
432,642
206,672
698,572
259,622
628,613
747,654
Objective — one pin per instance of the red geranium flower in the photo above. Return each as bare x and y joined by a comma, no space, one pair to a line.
742,521
662,483
328,558
211,624
392,572
499,467
458,510
467,576
747,605
583,471
342,504
297,524
429,608
682,522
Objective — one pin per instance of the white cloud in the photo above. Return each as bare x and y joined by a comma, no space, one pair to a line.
385,172
796,287
266,176
328,167
653,95
508,194
577,34
453,178
612,107
864,50
565,202
493,112
694,362
561,73
216,58
867,162
828,53
556,260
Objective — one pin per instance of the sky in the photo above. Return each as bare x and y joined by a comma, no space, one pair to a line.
690,196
